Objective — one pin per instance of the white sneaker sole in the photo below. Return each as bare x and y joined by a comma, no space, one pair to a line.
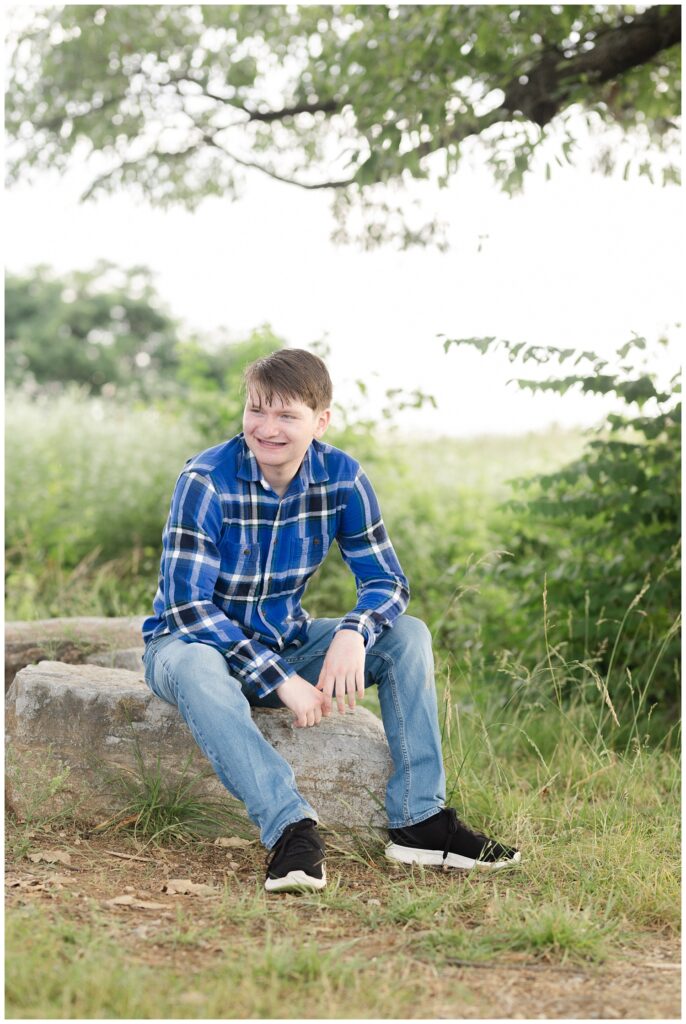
434,858
296,881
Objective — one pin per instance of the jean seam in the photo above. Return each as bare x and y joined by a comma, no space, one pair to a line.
407,770
205,747
214,761
168,675
151,673
308,657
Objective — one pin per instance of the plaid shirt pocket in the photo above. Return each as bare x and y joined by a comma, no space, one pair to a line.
242,573
307,554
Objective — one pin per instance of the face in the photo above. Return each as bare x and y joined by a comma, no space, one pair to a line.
279,434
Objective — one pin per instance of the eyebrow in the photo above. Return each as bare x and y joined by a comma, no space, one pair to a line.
286,408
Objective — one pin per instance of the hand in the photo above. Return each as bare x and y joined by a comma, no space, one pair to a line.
343,670
304,701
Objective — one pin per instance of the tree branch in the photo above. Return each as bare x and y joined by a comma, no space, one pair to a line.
629,45
618,50
540,98
102,178
266,117
344,183
326,106
208,140
462,131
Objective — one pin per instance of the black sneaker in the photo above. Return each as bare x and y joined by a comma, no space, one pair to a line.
296,863
443,840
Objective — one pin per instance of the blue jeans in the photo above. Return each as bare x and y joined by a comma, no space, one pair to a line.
216,707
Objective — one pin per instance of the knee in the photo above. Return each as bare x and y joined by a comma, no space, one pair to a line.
413,633
406,651
410,641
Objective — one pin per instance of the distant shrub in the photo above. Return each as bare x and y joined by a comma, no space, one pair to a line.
605,529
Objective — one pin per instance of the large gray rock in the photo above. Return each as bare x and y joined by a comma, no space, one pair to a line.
70,639
130,658
88,722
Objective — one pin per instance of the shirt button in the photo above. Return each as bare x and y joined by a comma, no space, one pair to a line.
246,551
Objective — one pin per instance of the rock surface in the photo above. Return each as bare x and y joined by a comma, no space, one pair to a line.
130,658
71,640
90,720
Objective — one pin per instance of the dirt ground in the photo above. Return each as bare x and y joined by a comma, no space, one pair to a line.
644,983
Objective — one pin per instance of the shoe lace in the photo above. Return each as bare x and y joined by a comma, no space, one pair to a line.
298,839
454,825
452,822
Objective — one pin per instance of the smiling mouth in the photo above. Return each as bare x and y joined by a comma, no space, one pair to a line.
272,444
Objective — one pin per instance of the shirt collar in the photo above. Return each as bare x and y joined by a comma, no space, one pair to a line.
247,463
312,470
314,464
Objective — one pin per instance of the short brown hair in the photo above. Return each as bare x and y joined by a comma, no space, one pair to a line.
290,373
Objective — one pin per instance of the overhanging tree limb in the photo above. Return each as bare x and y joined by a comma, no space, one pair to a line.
630,44
253,165
387,86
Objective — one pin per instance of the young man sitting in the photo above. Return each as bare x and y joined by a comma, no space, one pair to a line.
251,520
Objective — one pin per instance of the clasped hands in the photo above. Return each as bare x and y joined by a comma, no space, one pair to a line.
342,676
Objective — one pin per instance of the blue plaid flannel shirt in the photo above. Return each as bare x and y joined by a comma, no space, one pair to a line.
236,558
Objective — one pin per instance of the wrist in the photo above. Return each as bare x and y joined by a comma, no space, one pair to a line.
353,629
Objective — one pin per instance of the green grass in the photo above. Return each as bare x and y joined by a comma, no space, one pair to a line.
157,809
555,931
79,973
185,934
85,502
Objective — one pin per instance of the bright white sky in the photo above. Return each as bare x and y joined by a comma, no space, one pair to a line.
581,261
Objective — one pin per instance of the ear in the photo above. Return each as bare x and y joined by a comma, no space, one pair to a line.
322,422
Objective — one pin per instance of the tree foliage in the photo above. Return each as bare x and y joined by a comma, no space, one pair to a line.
183,101
103,328
604,532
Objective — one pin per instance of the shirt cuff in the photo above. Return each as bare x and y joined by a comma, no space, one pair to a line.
358,624
267,672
